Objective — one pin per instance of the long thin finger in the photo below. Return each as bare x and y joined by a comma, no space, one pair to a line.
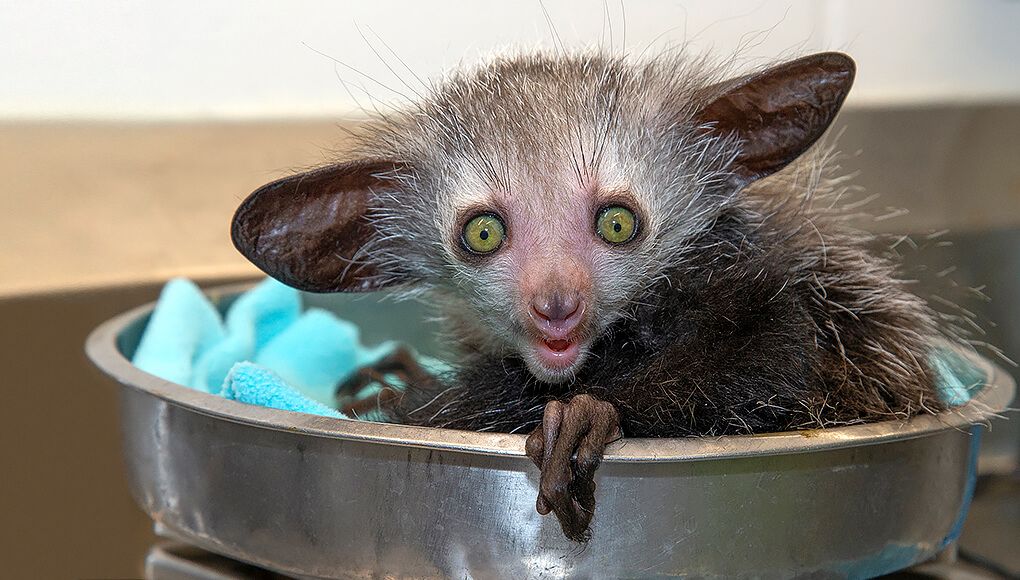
605,427
552,420
576,421
534,446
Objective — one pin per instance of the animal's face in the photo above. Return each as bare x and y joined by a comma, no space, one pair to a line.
542,267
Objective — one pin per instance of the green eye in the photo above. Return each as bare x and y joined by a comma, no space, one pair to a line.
483,234
616,224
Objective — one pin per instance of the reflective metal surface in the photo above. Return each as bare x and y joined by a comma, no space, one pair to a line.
316,497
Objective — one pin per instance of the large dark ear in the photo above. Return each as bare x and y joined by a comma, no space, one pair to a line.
307,230
778,113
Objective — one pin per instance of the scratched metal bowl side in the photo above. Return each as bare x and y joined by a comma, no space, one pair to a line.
316,497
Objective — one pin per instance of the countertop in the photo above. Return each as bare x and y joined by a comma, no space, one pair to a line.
91,206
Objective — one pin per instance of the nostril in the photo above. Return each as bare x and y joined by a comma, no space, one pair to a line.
538,312
568,309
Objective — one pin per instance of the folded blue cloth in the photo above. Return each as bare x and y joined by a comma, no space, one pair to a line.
252,321
294,361
254,384
288,359
182,328
317,351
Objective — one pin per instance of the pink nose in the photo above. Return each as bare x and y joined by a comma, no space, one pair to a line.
556,306
557,313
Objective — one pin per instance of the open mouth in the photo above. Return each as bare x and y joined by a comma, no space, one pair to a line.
557,354
558,346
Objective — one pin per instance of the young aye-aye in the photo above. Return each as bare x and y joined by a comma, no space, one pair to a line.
615,255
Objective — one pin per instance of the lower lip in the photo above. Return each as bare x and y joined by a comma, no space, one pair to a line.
557,354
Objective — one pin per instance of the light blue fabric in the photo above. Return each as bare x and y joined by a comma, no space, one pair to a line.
957,380
293,360
254,384
182,328
317,352
252,321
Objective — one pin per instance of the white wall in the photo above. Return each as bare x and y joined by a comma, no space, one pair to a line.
231,59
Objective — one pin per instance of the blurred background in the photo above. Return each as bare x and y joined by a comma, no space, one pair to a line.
130,131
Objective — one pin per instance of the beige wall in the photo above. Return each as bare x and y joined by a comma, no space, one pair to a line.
95,205
233,59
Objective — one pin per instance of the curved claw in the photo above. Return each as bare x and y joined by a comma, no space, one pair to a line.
567,447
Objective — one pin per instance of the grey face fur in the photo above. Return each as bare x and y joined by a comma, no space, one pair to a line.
531,137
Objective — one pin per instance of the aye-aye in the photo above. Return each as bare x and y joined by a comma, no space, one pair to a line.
614,254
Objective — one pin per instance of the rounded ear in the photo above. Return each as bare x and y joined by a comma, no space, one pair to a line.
307,230
780,112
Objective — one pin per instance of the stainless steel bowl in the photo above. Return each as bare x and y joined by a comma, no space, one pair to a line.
316,497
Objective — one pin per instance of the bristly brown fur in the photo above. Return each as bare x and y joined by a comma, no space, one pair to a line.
754,310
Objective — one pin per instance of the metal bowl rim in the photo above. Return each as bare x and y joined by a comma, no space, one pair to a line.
101,348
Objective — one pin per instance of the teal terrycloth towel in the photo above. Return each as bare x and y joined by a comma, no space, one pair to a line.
182,328
255,384
265,351
294,360
253,320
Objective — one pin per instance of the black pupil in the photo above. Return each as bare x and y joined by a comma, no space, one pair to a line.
617,227
484,234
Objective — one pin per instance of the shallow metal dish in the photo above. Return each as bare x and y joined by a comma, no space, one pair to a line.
316,497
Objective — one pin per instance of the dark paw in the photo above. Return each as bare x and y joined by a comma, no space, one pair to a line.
568,448
392,374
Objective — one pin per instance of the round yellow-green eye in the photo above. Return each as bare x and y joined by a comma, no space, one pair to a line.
483,234
616,224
